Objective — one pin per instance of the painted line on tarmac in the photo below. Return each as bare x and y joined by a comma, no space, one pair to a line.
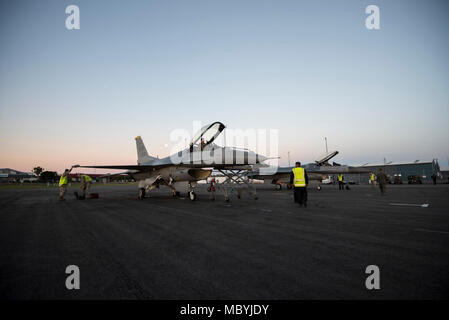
424,205
433,231
263,210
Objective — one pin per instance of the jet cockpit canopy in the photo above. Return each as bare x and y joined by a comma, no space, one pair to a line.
209,132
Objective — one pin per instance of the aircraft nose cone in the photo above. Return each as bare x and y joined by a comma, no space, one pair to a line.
260,158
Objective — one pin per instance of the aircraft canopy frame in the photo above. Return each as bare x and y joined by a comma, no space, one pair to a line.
209,132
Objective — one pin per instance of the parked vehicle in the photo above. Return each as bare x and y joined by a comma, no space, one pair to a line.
414,180
397,179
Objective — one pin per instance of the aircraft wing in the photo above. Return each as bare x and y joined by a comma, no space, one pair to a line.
339,169
145,167
110,175
138,167
230,167
286,171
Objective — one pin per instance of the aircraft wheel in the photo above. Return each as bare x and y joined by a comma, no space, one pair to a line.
141,194
192,196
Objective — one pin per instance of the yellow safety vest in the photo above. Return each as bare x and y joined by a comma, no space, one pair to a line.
299,179
87,178
340,177
372,177
63,180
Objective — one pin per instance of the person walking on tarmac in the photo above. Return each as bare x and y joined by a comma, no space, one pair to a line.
340,182
63,181
299,179
371,179
434,179
86,182
382,181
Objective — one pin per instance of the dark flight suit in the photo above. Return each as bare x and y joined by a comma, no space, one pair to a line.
434,179
382,181
300,193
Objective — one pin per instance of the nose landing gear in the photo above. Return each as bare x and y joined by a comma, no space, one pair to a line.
192,196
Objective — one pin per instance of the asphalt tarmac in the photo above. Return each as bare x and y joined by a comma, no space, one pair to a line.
165,248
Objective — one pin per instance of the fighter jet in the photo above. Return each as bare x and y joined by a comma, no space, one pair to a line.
181,171
318,170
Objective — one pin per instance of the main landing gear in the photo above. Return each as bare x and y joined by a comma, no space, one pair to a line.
141,194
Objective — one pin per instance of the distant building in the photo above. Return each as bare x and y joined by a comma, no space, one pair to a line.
400,171
445,176
11,175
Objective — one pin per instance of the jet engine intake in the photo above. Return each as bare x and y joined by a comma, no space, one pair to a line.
199,174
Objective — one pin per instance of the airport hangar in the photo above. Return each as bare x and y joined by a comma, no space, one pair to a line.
400,171
11,175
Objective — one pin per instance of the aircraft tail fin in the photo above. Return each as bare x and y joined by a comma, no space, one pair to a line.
142,153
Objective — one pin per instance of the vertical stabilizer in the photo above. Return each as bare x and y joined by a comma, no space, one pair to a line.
142,153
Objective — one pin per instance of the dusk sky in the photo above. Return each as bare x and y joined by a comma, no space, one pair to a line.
310,69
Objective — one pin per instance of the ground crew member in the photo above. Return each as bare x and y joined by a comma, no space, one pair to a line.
434,178
340,182
299,179
86,181
382,181
371,179
63,181
203,144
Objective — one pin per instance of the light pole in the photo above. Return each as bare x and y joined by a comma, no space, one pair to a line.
325,140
